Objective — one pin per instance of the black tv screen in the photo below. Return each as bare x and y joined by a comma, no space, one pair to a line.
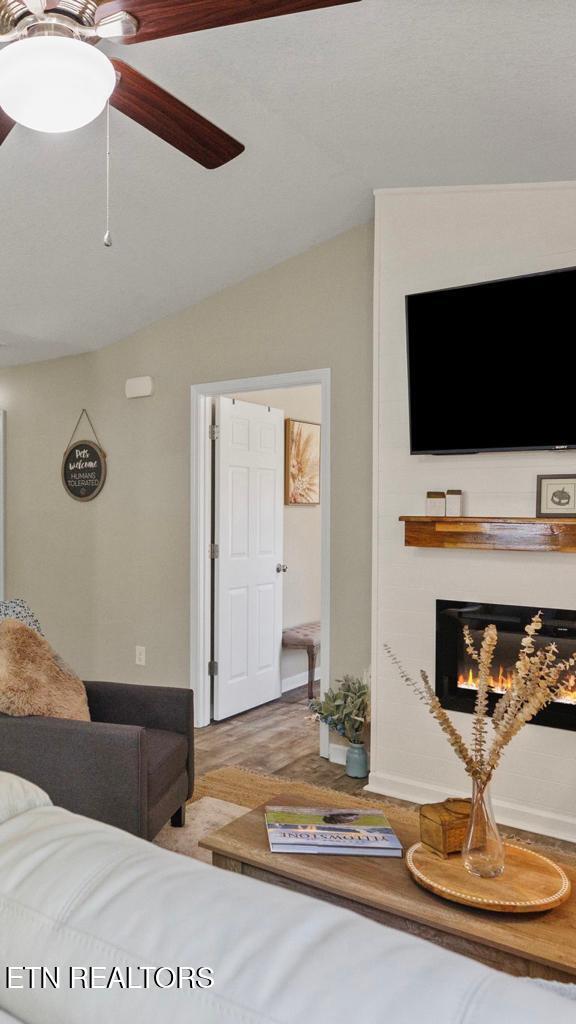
491,366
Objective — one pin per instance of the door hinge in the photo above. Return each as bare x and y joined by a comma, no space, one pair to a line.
212,668
214,551
214,432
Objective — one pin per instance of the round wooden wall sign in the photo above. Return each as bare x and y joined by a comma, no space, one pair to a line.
84,470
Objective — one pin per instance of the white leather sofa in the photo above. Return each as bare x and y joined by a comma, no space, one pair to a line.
76,893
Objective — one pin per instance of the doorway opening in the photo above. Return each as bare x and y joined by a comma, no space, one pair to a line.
260,566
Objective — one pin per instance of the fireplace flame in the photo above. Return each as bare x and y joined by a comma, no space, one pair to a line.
503,681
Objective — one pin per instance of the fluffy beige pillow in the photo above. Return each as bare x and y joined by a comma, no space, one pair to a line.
33,681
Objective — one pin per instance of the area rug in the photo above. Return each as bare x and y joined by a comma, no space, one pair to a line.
203,816
250,788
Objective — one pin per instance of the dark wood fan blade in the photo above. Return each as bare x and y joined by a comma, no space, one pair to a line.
6,125
160,18
170,119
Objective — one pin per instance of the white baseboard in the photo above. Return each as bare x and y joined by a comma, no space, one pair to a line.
293,682
532,819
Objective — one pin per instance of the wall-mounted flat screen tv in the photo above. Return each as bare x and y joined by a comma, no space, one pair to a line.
492,366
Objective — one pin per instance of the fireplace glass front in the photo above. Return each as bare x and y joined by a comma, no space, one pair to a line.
456,681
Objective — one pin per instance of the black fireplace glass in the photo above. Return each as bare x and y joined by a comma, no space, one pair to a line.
456,671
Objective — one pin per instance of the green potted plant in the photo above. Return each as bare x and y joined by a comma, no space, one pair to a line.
346,711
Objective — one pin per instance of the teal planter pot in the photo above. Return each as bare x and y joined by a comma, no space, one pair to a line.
356,761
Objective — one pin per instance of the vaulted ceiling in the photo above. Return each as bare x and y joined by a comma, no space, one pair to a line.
329,104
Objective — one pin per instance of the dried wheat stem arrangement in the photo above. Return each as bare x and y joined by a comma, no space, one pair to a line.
538,677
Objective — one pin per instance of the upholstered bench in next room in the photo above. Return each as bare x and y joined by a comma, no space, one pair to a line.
305,638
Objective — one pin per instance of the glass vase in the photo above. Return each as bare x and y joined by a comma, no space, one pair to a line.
483,850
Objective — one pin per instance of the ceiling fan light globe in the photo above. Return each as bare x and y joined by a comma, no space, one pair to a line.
54,83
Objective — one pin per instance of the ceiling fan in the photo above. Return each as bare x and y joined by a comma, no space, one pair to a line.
53,79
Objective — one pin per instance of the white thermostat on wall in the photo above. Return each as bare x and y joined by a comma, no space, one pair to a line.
139,387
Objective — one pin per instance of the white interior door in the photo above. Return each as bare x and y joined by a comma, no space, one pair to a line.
249,496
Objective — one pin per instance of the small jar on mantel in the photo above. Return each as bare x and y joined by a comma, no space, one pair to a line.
436,503
454,503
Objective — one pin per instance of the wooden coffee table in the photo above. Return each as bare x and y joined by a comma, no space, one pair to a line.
532,945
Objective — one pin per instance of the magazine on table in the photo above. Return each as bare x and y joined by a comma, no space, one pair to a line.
331,830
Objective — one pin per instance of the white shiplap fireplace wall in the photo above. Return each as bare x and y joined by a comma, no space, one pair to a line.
437,238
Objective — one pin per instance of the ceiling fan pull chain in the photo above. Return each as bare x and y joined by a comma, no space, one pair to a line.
107,234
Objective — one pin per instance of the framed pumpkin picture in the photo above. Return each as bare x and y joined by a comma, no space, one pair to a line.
302,463
556,497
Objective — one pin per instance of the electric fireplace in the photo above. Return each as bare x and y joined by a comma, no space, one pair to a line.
456,681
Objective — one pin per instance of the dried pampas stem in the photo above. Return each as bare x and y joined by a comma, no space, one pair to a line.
537,679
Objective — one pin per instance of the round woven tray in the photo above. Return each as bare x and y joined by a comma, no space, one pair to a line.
530,882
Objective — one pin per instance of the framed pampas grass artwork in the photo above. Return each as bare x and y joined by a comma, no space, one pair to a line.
302,464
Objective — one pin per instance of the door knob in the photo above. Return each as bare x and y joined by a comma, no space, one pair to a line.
281,568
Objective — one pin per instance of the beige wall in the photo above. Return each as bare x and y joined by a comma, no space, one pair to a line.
114,573
302,584
50,544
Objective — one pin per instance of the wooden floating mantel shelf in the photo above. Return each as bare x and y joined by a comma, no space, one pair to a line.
491,534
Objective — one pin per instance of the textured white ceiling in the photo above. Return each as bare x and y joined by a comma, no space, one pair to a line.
330,105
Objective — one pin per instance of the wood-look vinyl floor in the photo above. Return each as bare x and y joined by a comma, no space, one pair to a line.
279,738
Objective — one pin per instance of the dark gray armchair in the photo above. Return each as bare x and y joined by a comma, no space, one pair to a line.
132,766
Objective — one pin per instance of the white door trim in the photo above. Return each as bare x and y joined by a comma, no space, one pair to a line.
200,523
